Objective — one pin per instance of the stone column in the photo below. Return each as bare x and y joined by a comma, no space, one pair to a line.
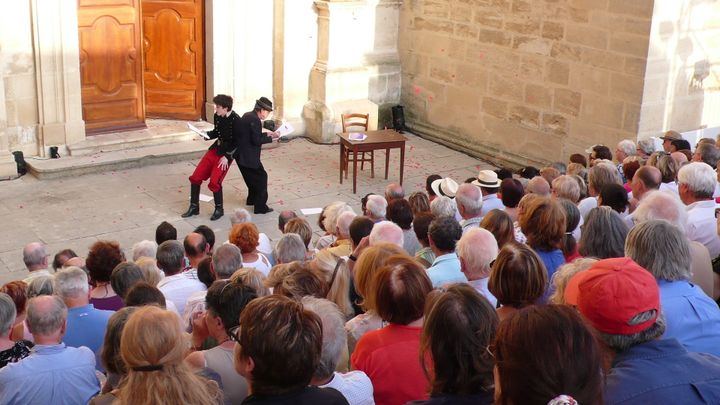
55,36
352,43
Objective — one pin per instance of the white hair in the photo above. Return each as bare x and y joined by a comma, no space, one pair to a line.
470,197
332,212
70,282
477,247
662,205
627,147
386,231
646,145
376,206
240,216
443,206
699,177
566,187
343,222
144,248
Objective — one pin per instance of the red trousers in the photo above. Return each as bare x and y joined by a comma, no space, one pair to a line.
208,169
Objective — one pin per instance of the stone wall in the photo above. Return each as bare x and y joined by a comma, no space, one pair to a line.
524,81
682,84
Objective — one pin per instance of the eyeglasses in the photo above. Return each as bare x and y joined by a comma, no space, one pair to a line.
234,334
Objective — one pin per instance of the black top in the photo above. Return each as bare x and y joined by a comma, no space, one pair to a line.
225,133
482,398
250,140
304,396
19,351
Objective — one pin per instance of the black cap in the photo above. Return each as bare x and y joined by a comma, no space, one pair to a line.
264,103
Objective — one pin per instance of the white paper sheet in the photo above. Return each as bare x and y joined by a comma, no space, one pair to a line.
197,130
310,211
205,198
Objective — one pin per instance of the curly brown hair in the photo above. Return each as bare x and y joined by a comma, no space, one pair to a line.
102,258
245,236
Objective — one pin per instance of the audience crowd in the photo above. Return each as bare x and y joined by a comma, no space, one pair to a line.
591,281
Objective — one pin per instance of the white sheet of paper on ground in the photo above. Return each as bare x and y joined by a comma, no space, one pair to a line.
357,136
197,130
285,129
205,197
310,211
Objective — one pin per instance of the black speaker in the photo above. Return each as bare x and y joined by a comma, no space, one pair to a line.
54,152
398,117
20,162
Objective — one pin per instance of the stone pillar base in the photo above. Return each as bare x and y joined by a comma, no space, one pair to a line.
323,122
8,167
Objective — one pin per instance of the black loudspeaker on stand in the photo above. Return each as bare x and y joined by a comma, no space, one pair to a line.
398,117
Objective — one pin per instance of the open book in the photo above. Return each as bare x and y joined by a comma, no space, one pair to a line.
197,131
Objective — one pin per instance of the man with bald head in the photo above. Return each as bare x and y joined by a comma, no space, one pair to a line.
476,250
53,373
394,191
538,185
35,257
196,249
646,179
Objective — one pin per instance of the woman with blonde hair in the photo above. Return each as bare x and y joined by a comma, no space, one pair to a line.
154,357
334,271
150,270
246,237
252,278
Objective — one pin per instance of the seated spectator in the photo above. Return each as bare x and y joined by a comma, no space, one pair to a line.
621,301
386,231
209,236
61,257
538,185
394,191
624,149
110,354
615,197
334,272
421,223
252,278
489,184
510,193
77,262
10,351
543,223
331,213
579,159
165,231
707,153
646,179
443,206
469,200
35,258
176,286
280,345
144,248
603,234
301,281
18,292
669,171
53,373
400,213
476,250
528,172
525,202
124,276
692,317
531,367
376,208
196,249
498,222
301,227
242,216
354,385
102,258
598,152
289,248
42,285
154,358
245,236
419,202
151,272
367,265
565,293
645,147
518,279
458,328
343,244
390,356
443,234
284,217
206,272
679,145
569,245
696,185
225,301
428,186
549,174
85,324
142,294
598,176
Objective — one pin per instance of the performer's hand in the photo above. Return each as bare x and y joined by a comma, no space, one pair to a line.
223,165
274,135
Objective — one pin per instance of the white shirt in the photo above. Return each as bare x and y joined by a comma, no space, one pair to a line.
178,289
702,226
491,202
586,205
355,387
672,186
481,285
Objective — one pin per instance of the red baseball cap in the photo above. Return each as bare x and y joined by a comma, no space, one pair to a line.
613,291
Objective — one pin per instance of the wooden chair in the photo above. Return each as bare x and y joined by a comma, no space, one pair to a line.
356,122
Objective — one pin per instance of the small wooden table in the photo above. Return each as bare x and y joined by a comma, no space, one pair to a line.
384,139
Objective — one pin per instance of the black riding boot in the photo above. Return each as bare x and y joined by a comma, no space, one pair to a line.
194,201
218,206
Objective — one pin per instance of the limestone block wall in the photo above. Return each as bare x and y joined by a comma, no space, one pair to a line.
682,85
518,81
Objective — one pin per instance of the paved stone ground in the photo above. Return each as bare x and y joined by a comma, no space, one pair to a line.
127,205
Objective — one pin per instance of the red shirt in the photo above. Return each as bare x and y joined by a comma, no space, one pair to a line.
390,357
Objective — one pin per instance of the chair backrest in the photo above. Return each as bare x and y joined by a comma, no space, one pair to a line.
355,120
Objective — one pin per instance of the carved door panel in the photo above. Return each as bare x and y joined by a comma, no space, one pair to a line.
110,64
173,58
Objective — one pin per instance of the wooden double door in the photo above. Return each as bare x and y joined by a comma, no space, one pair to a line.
140,58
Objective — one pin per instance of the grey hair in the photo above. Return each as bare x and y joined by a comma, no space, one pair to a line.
538,185
71,282
253,278
662,205
376,206
42,285
602,174
44,323
145,248
7,314
709,153
566,187
620,343
443,206
226,260
240,216
343,222
603,235
564,273
170,256
478,248
34,254
700,179
334,337
386,231
289,248
470,197
661,248
628,147
646,145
